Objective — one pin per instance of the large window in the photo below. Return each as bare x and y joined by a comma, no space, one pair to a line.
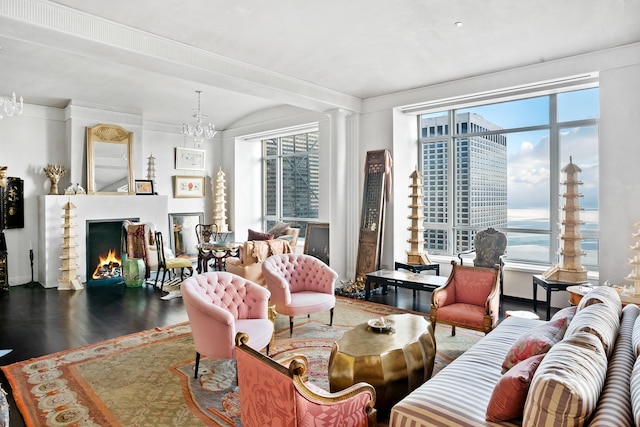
291,182
500,165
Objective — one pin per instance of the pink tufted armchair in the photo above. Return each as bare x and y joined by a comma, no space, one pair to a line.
299,284
278,393
470,299
220,304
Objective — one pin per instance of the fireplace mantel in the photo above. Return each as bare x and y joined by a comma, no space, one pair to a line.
88,207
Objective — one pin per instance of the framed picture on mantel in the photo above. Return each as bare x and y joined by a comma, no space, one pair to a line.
188,186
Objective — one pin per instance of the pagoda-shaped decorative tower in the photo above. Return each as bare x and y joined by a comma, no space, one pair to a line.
151,169
634,276
69,278
570,270
220,208
416,255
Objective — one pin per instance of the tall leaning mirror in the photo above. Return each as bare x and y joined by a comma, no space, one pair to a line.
109,160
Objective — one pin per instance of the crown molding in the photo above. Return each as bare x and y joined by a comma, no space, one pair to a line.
60,27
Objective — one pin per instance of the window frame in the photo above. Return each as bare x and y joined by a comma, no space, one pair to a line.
554,127
269,219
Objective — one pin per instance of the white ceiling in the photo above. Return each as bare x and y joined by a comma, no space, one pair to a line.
250,55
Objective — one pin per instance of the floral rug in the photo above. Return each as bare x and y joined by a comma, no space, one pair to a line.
146,379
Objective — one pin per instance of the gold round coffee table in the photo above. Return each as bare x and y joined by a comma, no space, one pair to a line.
394,363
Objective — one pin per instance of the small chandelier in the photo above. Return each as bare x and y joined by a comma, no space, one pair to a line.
198,131
10,105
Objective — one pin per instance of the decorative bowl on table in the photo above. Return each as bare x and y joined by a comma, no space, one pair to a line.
380,324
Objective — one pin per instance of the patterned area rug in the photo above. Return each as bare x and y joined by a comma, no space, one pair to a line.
146,379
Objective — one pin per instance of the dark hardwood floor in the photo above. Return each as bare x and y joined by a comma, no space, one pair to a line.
35,321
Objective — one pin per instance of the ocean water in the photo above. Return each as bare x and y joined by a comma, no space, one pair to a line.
535,247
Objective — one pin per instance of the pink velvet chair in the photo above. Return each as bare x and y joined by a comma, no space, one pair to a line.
470,299
278,394
220,304
299,284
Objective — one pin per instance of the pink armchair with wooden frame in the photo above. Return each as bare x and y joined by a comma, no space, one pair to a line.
279,394
221,304
470,299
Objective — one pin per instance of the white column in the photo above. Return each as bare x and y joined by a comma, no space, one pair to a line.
339,194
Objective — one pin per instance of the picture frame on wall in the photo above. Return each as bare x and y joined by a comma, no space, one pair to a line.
144,187
188,186
316,241
190,159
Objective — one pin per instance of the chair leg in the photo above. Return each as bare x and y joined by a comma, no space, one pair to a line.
164,274
155,285
267,349
453,331
195,376
290,326
331,317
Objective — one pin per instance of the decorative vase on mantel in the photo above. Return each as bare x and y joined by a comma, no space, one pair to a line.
54,173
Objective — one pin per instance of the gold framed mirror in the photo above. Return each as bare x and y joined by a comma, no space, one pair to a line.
109,160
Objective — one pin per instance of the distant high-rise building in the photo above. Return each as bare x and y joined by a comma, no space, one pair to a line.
480,174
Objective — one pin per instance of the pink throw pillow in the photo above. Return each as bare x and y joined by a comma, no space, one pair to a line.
256,235
537,341
510,393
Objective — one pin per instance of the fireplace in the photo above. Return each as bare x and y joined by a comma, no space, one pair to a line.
152,209
104,250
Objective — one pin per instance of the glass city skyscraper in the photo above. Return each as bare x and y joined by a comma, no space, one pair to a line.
480,176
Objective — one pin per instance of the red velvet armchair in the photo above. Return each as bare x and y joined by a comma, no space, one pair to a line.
470,299
279,394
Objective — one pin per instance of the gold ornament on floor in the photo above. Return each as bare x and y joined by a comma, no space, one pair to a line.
54,173
352,286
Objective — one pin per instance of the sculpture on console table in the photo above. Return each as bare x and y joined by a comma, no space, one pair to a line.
570,270
417,255
54,173
634,276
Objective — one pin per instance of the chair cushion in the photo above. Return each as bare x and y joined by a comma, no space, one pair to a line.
178,263
537,341
257,235
509,395
464,315
473,285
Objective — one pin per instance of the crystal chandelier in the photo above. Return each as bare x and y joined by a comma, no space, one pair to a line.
10,105
197,130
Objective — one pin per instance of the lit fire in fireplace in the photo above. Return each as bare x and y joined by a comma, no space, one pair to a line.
108,267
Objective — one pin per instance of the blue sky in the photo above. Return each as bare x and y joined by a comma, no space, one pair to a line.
528,152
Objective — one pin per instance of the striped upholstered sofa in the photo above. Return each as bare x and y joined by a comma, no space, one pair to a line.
591,376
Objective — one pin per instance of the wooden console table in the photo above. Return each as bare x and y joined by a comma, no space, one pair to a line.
549,286
402,279
417,268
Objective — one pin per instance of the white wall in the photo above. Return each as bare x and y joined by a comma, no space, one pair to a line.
39,137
